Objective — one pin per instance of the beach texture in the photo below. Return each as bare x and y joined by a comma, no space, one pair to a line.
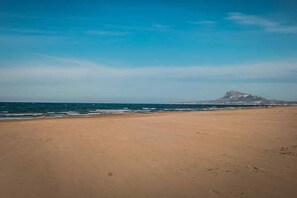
228,153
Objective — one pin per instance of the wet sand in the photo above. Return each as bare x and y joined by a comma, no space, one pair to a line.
228,153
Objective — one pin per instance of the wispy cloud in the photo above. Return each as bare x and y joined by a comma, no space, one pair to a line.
140,28
122,30
42,17
106,33
67,69
21,16
266,24
208,23
159,27
27,31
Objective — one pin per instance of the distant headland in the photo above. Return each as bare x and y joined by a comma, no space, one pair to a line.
240,98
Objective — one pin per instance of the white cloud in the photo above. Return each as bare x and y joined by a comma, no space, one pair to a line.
13,15
28,31
106,33
67,79
265,24
160,26
64,69
208,23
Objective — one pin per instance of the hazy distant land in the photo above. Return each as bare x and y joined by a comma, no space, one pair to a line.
240,98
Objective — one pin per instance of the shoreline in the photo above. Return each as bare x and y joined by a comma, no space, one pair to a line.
140,114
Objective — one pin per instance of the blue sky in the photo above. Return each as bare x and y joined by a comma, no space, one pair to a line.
146,51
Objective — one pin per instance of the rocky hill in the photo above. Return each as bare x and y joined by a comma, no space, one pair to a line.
235,97
240,98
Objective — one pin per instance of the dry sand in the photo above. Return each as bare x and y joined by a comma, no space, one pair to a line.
234,153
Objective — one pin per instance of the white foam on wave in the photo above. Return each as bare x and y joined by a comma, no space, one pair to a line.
20,114
111,111
183,109
73,113
94,113
146,108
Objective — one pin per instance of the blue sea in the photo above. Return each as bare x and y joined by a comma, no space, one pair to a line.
28,110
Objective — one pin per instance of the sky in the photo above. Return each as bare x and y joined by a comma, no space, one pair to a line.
146,51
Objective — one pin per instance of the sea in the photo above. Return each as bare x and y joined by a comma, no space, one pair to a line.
35,110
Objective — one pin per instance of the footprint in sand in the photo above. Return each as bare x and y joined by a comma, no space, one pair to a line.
213,191
288,150
256,169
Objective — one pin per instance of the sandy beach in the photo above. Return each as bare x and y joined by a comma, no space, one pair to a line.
227,153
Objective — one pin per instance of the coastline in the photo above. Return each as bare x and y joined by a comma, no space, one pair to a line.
146,113
238,153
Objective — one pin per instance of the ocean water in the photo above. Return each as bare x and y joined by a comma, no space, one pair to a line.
26,110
